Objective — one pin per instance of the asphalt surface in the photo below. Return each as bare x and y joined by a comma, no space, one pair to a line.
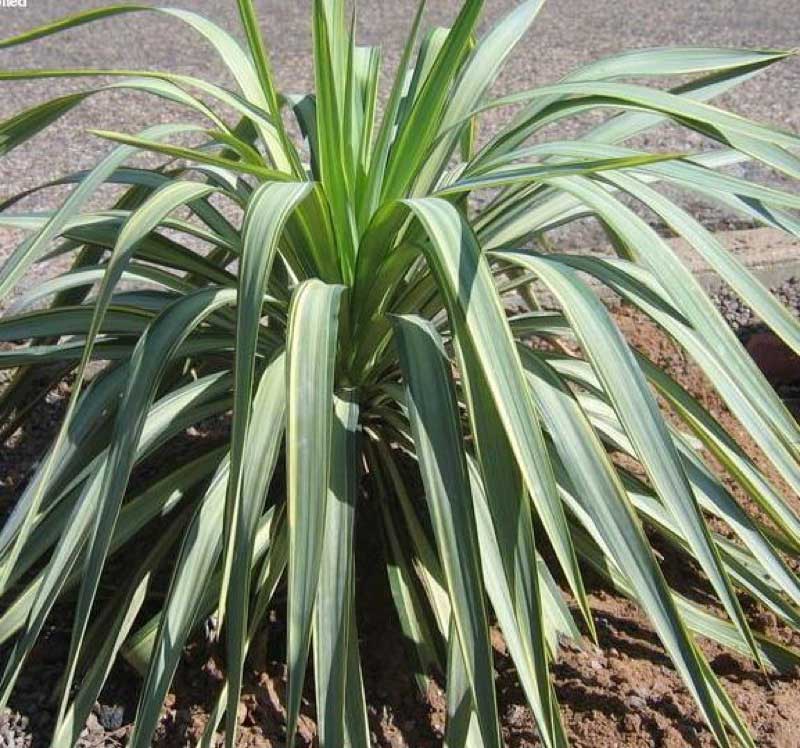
566,34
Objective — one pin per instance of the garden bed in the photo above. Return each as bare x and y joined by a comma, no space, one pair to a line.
621,693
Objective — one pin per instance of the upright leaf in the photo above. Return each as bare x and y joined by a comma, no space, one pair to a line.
311,357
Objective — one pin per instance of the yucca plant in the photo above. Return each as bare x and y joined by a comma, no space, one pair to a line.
342,295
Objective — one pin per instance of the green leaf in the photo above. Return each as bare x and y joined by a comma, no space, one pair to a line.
728,68
201,548
508,551
25,254
730,268
420,126
626,386
477,76
148,363
286,158
685,292
412,576
68,731
520,619
461,726
637,286
259,454
383,140
138,226
696,618
434,422
531,173
311,356
192,154
602,497
334,612
712,121
333,159
477,317
259,430
265,586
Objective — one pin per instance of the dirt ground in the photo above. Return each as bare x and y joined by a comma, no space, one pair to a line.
620,694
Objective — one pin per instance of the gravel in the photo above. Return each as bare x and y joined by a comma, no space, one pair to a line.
743,319
14,732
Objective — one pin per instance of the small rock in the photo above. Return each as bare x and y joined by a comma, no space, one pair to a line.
306,728
604,623
213,670
241,712
93,724
517,714
498,642
635,702
631,723
764,621
568,643
111,717
211,629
